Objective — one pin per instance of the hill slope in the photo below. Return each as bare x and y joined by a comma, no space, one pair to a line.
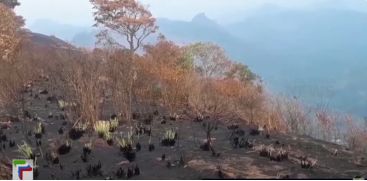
184,160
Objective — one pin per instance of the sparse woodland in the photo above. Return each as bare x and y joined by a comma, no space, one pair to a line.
125,76
197,80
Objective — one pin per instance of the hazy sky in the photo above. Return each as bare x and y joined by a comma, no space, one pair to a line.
79,12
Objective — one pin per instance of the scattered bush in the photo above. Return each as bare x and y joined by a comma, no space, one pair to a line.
308,163
241,142
274,154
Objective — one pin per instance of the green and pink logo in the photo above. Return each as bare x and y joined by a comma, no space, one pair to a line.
22,169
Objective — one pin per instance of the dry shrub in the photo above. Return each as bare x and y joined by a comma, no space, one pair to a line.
319,123
355,136
11,81
273,117
251,104
85,85
295,115
208,99
10,33
227,99
301,119
223,89
13,72
166,77
14,77
121,74
327,123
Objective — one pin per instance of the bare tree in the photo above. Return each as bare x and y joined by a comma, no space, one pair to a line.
210,60
295,115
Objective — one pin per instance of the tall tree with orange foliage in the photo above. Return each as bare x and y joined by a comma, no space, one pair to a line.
123,22
126,18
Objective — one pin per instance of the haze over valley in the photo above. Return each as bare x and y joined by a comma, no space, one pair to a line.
313,50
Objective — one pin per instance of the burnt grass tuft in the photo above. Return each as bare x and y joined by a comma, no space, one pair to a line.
64,148
151,147
128,152
76,133
95,169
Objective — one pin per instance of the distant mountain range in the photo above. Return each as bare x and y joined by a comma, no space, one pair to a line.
317,54
76,35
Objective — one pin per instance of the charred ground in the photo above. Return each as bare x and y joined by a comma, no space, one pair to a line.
237,151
